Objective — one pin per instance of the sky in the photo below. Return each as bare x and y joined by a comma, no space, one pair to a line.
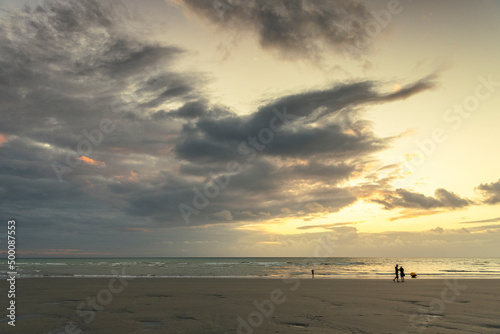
250,128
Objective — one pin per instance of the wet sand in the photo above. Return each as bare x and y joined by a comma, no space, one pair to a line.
158,305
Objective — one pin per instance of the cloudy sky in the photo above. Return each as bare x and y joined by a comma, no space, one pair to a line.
250,128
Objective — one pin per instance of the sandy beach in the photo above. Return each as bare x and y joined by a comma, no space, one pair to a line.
57,305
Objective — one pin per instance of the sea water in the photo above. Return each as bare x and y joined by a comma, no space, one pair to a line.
260,267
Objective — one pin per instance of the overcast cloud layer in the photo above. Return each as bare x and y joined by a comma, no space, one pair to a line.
101,136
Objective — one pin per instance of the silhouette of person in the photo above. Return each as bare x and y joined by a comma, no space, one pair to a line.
397,274
312,272
402,273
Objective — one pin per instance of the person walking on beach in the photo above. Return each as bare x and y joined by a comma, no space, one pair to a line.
402,273
312,272
397,274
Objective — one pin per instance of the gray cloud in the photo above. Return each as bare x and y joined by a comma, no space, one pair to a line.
323,127
293,28
322,122
402,198
168,138
491,220
65,66
491,192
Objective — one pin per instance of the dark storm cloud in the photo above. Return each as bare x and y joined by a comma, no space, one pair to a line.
323,129
294,28
320,170
318,122
402,198
64,66
77,38
261,191
491,192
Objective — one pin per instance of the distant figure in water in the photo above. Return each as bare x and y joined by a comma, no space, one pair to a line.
402,273
312,272
397,274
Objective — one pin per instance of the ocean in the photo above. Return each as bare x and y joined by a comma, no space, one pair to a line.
260,267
